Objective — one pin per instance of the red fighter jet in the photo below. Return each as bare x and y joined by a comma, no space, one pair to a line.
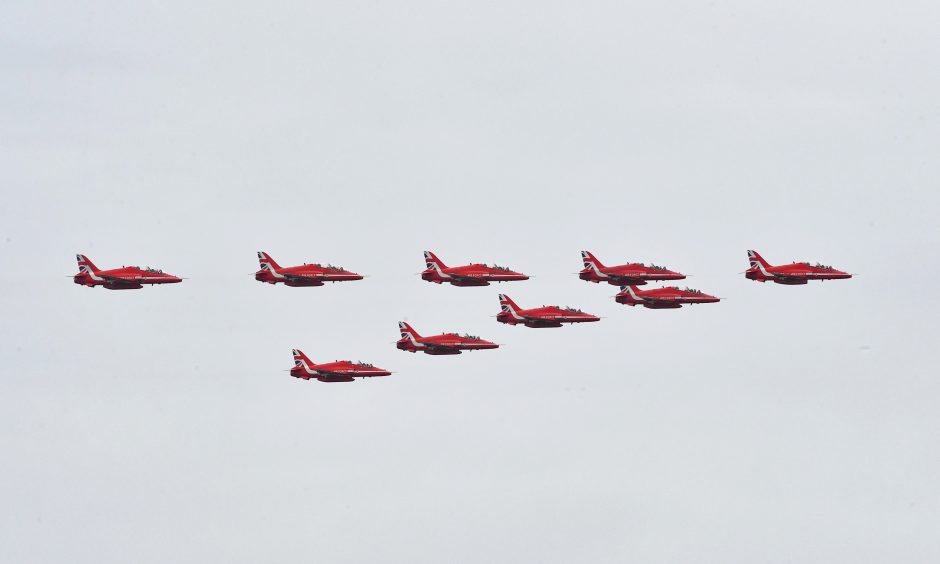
545,316
304,275
633,274
446,343
790,274
124,278
663,298
339,371
469,275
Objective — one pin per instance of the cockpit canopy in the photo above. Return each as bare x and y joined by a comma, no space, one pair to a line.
498,267
154,270
469,336
572,309
364,364
691,290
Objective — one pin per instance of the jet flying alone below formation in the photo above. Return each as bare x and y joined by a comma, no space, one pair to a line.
339,371
468,275
669,297
446,343
632,274
124,278
303,275
790,274
545,316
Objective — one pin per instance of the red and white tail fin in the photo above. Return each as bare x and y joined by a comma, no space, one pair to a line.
301,359
590,261
756,260
507,304
85,265
407,331
432,261
267,263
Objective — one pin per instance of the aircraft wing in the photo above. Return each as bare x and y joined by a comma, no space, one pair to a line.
471,279
302,277
331,374
439,347
119,280
626,279
658,300
328,376
793,277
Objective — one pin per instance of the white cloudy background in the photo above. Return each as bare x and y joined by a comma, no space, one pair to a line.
786,424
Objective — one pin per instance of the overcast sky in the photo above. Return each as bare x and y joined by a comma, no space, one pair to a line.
785,424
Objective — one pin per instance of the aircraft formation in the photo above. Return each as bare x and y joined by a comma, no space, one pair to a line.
628,277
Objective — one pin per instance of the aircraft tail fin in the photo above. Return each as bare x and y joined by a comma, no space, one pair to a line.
267,262
590,260
407,331
432,261
756,260
507,304
301,358
85,264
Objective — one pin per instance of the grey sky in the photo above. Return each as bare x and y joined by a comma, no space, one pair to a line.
786,424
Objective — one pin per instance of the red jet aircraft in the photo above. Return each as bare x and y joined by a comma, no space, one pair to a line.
445,343
633,274
469,275
790,274
669,297
339,371
304,275
545,316
124,278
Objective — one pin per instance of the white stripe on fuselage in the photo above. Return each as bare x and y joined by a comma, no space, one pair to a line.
512,312
633,294
764,271
437,267
597,271
87,270
267,266
412,339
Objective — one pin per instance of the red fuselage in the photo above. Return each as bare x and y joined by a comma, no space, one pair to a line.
635,274
467,275
303,275
663,298
447,343
792,274
338,371
632,274
471,275
545,316
124,278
